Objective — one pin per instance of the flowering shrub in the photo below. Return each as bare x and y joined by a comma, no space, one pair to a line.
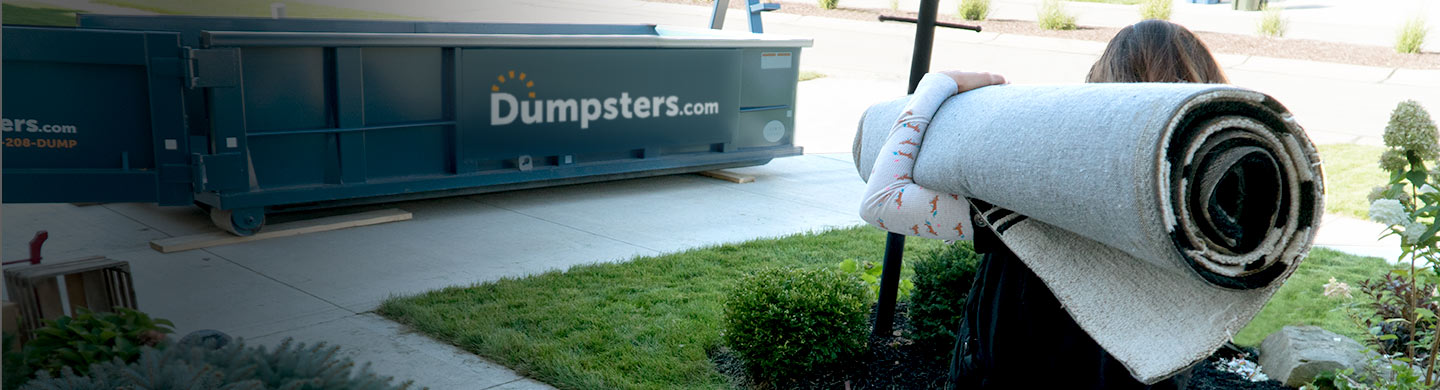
1400,309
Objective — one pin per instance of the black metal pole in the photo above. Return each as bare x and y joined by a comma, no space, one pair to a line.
889,284
924,41
895,243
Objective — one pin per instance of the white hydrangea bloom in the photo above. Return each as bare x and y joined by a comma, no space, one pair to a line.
1389,212
1337,289
1413,230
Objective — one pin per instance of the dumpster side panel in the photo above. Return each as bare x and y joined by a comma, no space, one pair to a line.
408,152
595,102
93,116
287,92
68,116
402,85
767,97
285,89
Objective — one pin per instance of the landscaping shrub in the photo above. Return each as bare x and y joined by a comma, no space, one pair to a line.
1272,24
974,9
828,4
1399,309
787,321
91,337
1155,9
1388,298
231,367
943,278
1052,16
16,372
1411,36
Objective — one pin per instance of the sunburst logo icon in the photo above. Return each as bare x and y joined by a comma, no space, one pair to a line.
512,77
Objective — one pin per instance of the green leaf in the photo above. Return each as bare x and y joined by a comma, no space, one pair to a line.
69,355
848,266
1416,178
1386,337
1429,236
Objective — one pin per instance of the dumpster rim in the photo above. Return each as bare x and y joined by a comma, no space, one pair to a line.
330,39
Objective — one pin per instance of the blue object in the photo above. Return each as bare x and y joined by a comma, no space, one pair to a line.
1205,1
756,7
246,116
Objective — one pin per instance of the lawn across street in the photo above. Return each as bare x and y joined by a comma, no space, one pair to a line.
650,323
38,16
1350,172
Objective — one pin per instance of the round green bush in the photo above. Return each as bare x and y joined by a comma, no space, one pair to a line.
787,322
942,278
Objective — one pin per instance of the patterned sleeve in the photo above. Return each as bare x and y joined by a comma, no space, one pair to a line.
893,201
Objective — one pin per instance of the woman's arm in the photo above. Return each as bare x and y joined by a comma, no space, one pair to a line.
893,201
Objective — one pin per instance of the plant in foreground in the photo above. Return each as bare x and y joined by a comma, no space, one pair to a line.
787,321
232,367
943,277
90,337
1401,308
828,4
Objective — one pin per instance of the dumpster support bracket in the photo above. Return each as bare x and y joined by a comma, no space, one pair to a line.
209,68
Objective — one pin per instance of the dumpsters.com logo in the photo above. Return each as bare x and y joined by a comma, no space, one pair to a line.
506,107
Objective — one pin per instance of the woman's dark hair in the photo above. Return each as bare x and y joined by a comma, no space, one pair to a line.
1156,51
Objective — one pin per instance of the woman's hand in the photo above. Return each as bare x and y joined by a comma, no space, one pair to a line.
970,80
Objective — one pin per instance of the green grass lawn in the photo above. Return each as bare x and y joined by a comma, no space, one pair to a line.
650,323
1301,301
1350,172
257,8
38,16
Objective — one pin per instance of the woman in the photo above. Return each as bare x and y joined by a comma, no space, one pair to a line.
1015,333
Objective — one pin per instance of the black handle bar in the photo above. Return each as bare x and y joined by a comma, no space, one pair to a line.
885,18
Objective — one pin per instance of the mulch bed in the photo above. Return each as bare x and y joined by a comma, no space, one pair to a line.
896,362
1239,44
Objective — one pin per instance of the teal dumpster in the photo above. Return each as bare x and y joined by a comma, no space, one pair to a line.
248,116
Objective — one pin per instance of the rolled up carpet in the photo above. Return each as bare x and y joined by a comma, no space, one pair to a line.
1162,216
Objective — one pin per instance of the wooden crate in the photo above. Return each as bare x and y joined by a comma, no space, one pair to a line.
96,283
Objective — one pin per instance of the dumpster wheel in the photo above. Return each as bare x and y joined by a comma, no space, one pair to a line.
242,222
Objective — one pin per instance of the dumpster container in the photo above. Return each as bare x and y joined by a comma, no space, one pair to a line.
1248,5
244,116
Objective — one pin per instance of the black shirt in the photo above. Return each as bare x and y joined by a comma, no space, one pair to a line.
1016,335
